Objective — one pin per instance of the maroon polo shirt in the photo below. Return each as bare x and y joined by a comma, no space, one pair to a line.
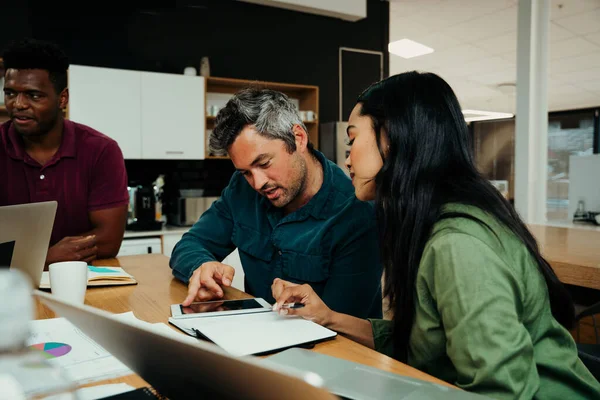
87,173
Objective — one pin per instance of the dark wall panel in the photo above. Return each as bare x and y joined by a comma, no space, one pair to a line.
243,40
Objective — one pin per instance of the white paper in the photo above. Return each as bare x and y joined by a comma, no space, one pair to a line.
156,327
246,334
34,374
83,360
94,392
11,388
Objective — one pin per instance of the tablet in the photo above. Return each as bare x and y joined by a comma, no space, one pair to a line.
220,307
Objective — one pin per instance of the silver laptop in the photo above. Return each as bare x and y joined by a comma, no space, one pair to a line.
355,381
180,369
25,231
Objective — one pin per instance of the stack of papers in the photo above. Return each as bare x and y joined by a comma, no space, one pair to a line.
65,346
253,334
95,392
157,327
98,276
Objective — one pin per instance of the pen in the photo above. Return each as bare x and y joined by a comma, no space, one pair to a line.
292,305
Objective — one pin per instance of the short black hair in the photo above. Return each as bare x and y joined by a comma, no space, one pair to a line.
38,54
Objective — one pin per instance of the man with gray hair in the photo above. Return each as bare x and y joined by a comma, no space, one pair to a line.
291,213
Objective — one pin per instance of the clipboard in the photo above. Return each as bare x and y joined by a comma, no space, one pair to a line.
255,334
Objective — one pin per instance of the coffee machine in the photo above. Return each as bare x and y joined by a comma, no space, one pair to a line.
142,208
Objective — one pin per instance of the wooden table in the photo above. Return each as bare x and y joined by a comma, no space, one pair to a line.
157,289
573,253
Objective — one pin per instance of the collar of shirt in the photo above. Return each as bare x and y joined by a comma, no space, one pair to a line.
16,147
317,207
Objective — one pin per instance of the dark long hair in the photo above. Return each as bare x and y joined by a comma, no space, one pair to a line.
430,163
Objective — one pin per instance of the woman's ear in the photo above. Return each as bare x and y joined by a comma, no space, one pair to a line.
384,142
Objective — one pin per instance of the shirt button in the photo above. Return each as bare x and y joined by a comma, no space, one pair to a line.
42,177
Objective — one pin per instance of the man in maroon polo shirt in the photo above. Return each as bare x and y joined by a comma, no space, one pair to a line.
45,157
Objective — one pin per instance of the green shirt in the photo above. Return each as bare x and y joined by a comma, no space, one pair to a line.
483,320
330,243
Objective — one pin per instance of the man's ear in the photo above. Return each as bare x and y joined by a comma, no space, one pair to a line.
301,137
63,98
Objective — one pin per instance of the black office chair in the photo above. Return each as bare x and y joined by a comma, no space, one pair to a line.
590,353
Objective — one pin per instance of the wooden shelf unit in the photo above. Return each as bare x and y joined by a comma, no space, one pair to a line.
307,96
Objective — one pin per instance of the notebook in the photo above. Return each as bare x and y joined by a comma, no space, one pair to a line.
255,334
98,276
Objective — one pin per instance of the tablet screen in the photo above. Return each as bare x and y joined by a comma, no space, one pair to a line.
221,305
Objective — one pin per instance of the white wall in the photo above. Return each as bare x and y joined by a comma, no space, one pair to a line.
351,10
584,182
233,259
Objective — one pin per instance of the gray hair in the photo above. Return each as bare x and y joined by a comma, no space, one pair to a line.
272,113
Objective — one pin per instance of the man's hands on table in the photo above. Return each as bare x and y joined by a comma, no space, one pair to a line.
73,248
207,281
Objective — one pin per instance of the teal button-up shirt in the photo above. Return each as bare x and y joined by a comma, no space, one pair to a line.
330,243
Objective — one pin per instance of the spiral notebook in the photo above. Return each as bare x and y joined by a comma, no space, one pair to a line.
98,276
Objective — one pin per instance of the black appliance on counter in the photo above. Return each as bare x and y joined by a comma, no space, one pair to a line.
582,216
142,208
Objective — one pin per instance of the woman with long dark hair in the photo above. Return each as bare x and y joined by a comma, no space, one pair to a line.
474,302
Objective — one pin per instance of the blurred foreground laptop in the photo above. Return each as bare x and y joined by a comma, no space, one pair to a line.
25,231
180,369
354,381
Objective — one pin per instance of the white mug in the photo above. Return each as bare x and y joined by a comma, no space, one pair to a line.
310,116
68,280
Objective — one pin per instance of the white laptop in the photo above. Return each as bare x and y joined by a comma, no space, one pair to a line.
25,231
180,369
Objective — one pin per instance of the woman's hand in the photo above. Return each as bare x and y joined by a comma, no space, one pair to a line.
314,309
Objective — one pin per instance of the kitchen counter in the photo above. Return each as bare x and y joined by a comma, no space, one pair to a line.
571,225
166,230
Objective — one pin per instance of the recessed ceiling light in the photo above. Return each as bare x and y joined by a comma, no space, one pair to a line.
407,48
478,115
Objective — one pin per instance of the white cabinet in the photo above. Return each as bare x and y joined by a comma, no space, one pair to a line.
130,247
169,241
173,117
108,100
150,115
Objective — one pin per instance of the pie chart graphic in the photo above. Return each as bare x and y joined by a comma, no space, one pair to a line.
52,349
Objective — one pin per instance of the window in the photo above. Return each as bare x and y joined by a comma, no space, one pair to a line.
494,145
569,134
